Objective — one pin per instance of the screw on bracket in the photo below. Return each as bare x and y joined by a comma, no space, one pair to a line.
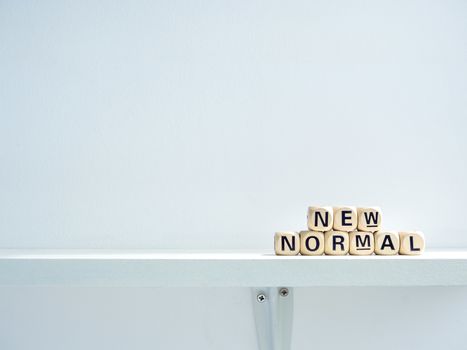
261,298
283,292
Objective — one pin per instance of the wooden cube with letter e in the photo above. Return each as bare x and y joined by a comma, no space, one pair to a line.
345,219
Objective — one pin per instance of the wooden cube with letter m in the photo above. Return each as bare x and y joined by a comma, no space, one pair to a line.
361,243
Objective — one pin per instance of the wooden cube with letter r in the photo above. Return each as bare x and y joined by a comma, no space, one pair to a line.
336,243
286,243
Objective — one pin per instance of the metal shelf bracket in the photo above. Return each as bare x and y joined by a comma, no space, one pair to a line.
273,312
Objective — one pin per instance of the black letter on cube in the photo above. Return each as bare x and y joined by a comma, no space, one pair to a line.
285,240
387,242
362,243
324,221
346,216
307,243
335,242
412,247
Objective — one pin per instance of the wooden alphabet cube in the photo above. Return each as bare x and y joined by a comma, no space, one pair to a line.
336,242
369,219
311,243
361,243
286,243
411,243
345,219
320,218
386,243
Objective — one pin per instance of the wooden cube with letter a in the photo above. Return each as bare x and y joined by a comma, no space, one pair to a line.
311,243
345,219
286,243
336,242
320,218
361,243
369,219
411,243
386,243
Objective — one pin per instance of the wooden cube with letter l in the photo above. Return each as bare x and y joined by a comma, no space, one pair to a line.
286,243
411,243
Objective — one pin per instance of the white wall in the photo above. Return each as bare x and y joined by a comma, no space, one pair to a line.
212,124
181,124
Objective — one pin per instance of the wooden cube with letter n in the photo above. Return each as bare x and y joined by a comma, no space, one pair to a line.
320,218
287,243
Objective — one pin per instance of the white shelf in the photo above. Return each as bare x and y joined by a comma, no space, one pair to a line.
226,269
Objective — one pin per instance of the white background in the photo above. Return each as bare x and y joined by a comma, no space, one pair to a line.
212,124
